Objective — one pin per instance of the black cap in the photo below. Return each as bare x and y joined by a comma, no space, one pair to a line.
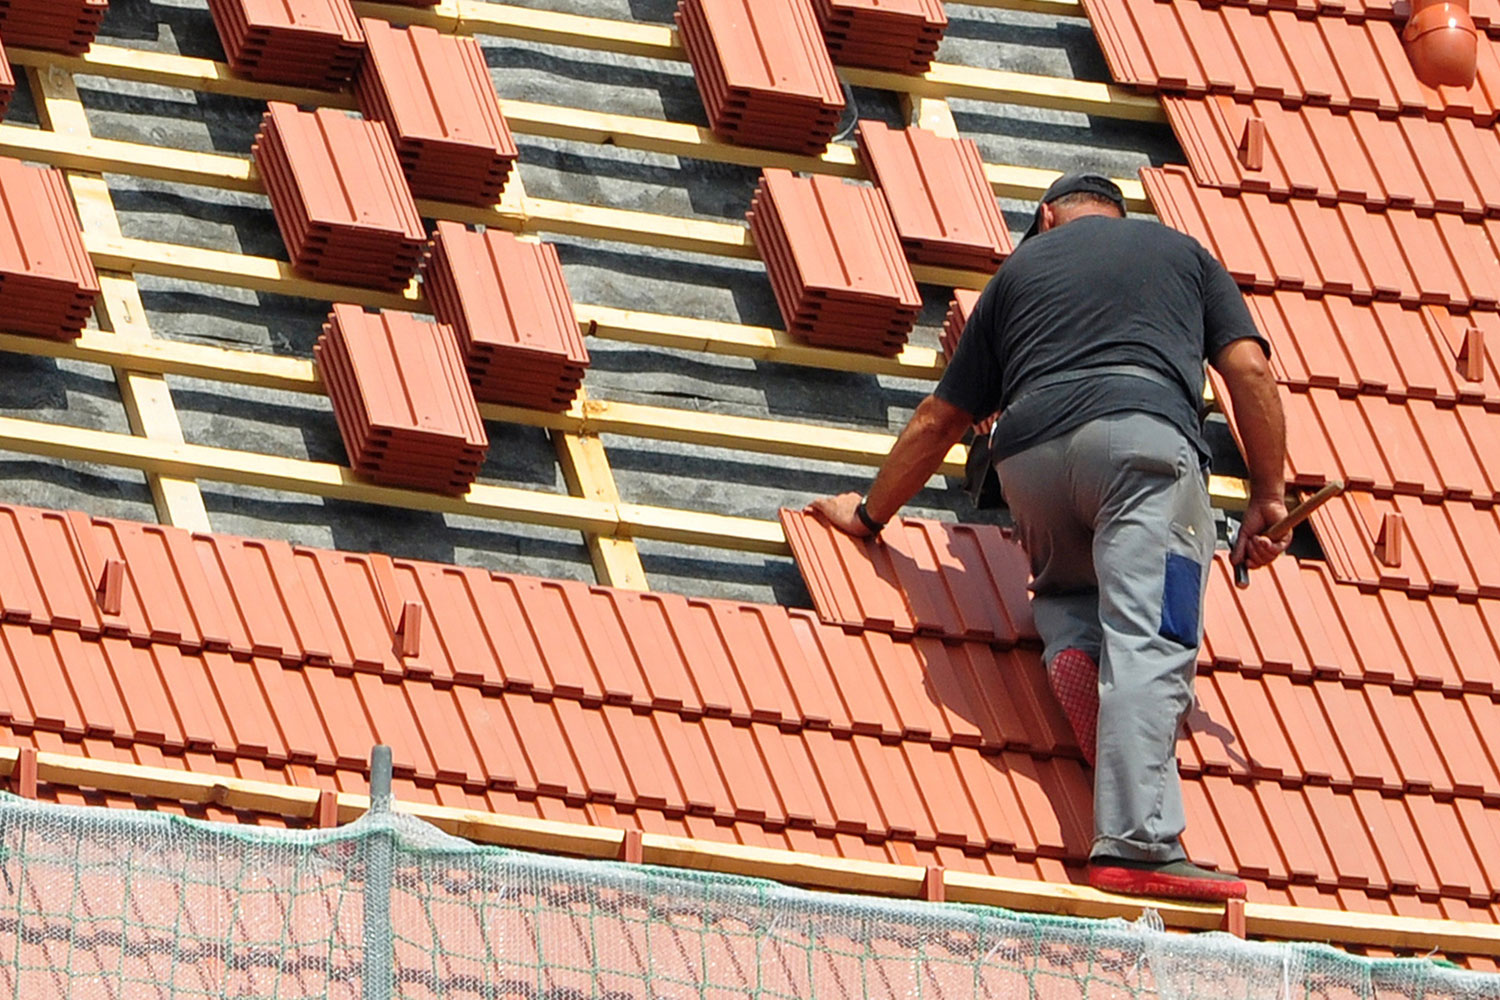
1073,184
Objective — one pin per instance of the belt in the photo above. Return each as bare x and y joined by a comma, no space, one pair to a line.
1079,374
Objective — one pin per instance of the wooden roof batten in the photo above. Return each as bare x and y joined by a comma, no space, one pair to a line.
1262,920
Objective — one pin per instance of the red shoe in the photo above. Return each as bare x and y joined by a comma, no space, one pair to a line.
1167,879
1074,677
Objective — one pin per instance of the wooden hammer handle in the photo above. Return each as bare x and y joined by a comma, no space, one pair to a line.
1284,527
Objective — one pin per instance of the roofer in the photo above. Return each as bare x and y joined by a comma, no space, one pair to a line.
1090,342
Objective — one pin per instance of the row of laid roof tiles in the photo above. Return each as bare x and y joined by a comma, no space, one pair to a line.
1357,636
1405,543
1341,249
1195,49
1381,348
1390,445
704,828
1010,802
947,695
1450,165
496,631
1486,13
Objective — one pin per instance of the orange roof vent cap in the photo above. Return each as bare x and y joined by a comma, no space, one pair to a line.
1442,43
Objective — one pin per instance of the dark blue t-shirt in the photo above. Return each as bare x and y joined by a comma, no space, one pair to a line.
1097,291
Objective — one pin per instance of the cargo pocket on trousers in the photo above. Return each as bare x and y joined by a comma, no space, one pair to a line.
1182,589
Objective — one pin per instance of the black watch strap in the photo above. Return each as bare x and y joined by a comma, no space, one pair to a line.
873,526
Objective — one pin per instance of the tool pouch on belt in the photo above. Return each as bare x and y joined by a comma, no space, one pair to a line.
981,481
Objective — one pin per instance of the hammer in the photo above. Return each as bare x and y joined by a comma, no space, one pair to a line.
1284,527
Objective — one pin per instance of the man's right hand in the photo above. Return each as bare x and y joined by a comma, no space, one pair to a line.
1253,547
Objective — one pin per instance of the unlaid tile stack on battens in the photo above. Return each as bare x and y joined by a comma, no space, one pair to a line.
763,72
506,299
47,282
433,92
55,25
402,400
834,261
339,197
312,43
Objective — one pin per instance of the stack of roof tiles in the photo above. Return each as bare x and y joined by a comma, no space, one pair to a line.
433,92
506,298
55,25
311,43
763,72
47,282
403,405
834,261
960,308
339,197
943,207
7,83
898,35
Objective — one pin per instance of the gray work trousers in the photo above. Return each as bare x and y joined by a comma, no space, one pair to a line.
1115,519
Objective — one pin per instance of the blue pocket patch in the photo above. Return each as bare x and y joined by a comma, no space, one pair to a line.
1181,591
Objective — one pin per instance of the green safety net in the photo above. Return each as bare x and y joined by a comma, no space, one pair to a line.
125,905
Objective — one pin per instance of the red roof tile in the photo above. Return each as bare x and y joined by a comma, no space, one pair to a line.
944,209
317,43
767,720
1449,548
46,276
960,308
1193,49
1381,349
1339,250
898,35
434,94
763,71
402,399
1449,165
835,261
56,25
339,197
506,298
1391,445
957,580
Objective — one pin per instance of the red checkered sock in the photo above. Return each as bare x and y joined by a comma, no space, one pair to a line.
1074,677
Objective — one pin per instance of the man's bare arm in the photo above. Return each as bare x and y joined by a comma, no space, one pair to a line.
1262,426
918,452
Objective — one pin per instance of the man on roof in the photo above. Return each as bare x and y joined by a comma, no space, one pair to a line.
1090,342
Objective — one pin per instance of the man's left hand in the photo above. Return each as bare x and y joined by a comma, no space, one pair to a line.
839,512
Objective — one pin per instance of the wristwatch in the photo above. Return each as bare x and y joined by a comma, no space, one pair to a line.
873,526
